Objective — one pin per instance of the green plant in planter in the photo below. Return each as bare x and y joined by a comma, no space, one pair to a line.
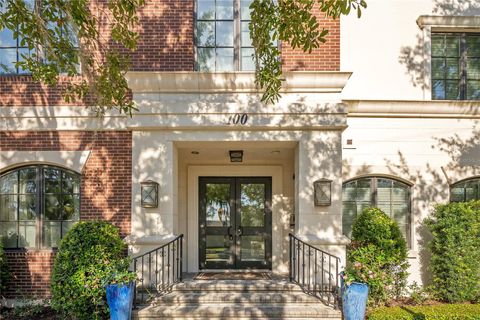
119,274
86,257
377,256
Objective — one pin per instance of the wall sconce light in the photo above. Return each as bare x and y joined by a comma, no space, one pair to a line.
322,192
236,155
149,191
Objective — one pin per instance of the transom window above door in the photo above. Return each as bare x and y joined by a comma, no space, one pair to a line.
222,36
38,205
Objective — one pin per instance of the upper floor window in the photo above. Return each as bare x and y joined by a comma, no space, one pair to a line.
13,51
465,190
38,205
390,196
456,66
223,36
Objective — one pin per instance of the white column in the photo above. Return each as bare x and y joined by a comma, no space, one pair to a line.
320,156
153,158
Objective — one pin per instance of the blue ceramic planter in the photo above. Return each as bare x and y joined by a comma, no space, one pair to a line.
354,298
120,300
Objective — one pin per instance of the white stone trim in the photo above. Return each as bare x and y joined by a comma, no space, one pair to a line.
449,23
153,240
279,223
196,82
186,111
73,160
414,108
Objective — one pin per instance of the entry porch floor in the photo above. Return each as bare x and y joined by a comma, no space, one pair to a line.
274,298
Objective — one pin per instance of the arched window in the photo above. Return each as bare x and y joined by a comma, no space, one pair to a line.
465,190
391,196
38,205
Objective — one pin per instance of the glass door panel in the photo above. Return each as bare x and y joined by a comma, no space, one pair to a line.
253,223
235,223
252,204
217,246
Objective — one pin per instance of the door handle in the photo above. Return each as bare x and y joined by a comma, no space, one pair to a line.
229,231
239,231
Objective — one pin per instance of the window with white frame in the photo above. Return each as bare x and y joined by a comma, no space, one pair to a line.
390,196
223,40
38,205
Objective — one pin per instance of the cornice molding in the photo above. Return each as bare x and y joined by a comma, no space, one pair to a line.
413,108
218,82
449,22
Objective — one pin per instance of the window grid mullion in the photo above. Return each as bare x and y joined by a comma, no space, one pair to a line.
409,218
215,33
236,34
463,67
40,202
391,201
18,210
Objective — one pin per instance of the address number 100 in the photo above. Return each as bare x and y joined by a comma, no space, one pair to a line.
238,118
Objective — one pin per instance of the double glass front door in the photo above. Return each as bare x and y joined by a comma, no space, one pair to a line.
235,222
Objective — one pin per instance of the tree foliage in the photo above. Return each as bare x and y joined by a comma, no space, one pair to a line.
455,251
64,37
292,21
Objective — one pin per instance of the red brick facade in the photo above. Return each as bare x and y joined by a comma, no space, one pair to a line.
166,36
166,44
105,191
325,58
21,90
30,273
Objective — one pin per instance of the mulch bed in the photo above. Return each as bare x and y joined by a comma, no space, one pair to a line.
45,313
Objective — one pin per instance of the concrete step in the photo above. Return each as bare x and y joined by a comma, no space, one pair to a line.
236,285
234,311
267,297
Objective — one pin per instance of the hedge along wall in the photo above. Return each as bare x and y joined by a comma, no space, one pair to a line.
105,191
455,250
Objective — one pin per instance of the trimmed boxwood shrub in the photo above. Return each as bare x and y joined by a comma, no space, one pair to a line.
3,270
434,312
455,251
85,258
377,256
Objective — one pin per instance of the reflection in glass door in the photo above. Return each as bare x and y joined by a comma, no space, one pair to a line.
235,223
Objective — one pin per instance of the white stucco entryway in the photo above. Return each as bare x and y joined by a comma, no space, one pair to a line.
280,218
178,138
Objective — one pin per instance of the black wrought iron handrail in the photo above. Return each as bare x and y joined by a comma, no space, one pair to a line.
315,270
158,270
